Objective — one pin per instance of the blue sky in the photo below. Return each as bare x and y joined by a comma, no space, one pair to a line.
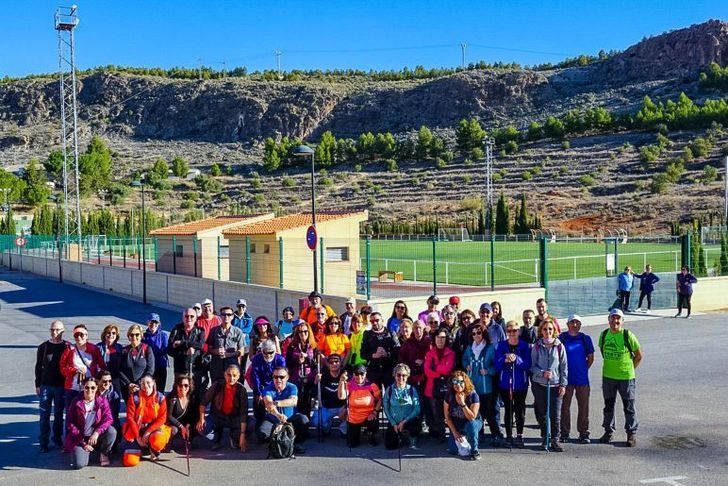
372,34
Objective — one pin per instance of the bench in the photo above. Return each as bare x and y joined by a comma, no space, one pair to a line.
383,276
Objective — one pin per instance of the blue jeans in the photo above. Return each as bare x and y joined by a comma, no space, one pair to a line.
470,431
327,415
51,396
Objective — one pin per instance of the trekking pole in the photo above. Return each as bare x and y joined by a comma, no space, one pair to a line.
548,405
511,414
320,411
187,453
399,450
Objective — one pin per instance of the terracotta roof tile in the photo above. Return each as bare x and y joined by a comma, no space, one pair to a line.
195,227
299,220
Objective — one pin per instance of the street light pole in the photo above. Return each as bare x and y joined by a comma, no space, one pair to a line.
302,151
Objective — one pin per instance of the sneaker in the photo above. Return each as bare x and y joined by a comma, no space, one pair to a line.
564,438
678,314
606,438
299,449
584,440
556,447
475,455
413,443
687,316
544,445
638,309
631,440
104,460
519,442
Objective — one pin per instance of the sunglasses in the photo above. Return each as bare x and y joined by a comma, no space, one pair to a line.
477,333
320,315
133,334
334,324
111,333
399,307
268,353
53,329
79,334
105,381
401,375
183,385
89,388
458,382
512,331
448,313
303,331
360,373
280,377
334,361
191,316
227,314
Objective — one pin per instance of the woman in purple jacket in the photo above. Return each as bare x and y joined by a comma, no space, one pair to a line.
512,362
89,426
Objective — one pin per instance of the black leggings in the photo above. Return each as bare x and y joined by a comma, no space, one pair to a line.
519,407
354,430
644,294
683,301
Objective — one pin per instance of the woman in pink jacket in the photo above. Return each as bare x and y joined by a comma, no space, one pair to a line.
439,363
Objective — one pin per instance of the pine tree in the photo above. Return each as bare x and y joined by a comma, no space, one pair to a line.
9,223
424,143
522,226
36,191
724,255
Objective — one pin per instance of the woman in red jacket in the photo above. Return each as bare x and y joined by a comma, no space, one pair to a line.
81,360
145,426
439,363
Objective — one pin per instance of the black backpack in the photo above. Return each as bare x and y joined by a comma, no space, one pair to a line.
281,444
625,336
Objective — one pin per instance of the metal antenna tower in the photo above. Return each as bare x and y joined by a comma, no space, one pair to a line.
278,61
463,45
65,23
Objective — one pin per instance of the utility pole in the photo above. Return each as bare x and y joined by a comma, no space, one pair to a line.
199,69
224,69
463,45
488,145
278,61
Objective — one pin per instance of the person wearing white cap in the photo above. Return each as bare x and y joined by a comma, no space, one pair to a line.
207,320
243,321
349,311
580,356
197,308
622,354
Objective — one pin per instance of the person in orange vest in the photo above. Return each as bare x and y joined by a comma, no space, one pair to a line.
315,301
145,426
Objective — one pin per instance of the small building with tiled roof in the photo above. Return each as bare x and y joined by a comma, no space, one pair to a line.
274,252
198,248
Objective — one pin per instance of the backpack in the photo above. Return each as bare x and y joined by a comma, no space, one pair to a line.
625,336
280,445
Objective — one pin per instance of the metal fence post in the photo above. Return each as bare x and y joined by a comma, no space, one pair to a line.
543,256
139,253
123,251
156,254
492,262
369,267
219,270
280,262
194,253
98,251
174,254
616,256
434,265
247,259
111,253
321,263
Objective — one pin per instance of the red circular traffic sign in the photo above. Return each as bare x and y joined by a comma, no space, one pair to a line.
20,241
311,237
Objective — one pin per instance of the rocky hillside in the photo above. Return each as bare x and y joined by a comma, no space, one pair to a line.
224,121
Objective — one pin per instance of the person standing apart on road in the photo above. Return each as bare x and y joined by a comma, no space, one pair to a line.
49,383
622,354
80,360
647,286
89,426
549,368
684,287
137,360
580,357
625,282
513,365
157,339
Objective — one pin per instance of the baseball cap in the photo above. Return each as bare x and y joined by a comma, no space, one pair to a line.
242,302
288,309
197,306
313,295
616,312
351,301
486,307
206,302
434,299
454,300
360,369
574,317
153,317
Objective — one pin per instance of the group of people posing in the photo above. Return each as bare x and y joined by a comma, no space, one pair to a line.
443,370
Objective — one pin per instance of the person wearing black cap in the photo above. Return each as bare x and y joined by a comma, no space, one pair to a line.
315,301
157,339
364,402
432,302
380,348
285,326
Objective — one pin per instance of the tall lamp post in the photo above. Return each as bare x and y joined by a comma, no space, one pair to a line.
140,183
306,151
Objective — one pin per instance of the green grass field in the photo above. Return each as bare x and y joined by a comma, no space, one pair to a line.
469,263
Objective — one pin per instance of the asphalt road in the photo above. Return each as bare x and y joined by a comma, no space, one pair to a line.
682,398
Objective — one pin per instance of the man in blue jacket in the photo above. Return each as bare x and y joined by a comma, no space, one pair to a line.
626,282
158,340
647,286
243,321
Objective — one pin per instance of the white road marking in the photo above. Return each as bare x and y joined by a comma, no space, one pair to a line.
673,480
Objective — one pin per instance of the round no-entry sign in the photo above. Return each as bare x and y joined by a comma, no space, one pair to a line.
311,237
20,241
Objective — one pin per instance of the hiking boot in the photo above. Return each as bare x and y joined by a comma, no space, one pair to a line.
556,447
543,445
606,438
564,438
583,439
413,443
519,442
631,440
